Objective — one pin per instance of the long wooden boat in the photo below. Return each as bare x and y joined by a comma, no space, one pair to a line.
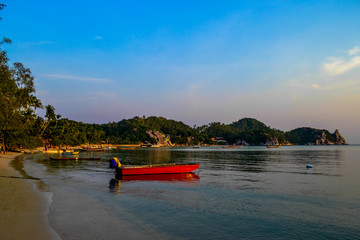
152,169
272,146
93,149
125,148
75,158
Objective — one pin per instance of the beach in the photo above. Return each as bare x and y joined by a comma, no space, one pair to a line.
24,211
27,212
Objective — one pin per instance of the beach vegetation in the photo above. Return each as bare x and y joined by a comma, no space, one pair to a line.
17,101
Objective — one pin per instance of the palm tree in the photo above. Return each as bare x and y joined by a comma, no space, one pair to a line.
50,115
36,103
57,118
29,117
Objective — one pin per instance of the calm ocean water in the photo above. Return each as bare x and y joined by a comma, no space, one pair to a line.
246,193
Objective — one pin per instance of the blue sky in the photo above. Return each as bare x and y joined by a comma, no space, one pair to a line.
286,63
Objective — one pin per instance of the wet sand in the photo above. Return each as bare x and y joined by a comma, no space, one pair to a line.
23,211
28,213
80,217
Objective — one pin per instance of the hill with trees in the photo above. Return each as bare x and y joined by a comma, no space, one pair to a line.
246,131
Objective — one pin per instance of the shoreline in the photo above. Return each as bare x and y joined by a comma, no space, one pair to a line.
24,210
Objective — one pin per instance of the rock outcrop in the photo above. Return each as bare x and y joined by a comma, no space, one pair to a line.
339,140
160,138
336,139
322,140
312,136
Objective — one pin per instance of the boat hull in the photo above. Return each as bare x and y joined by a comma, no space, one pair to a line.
156,169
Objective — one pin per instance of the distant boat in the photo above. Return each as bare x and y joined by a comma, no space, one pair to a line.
51,151
272,146
231,146
152,169
145,145
110,148
125,148
69,152
156,146
75,158
93,149
196,146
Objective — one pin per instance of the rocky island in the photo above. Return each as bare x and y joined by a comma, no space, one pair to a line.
247,131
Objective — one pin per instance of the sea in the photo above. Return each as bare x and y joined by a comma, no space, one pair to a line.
240,193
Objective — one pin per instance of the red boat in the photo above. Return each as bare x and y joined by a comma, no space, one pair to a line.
152,169
76,158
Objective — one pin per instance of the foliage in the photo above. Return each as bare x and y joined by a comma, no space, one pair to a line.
17,100
69,132
247,124
134,130
247,130
307,135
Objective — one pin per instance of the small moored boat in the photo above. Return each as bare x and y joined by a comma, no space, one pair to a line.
152,169
69,152
93,149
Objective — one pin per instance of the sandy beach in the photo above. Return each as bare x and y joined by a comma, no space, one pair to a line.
24,212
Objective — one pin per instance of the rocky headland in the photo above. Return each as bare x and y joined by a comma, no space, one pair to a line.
247,131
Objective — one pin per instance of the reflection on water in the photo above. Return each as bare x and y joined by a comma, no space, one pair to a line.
246,193
189,178
178,177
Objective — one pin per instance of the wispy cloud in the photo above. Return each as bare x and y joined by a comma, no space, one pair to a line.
354,51
39,43
337,66
76,78
303,85
98,37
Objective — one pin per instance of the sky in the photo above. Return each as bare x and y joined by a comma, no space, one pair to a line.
288,64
